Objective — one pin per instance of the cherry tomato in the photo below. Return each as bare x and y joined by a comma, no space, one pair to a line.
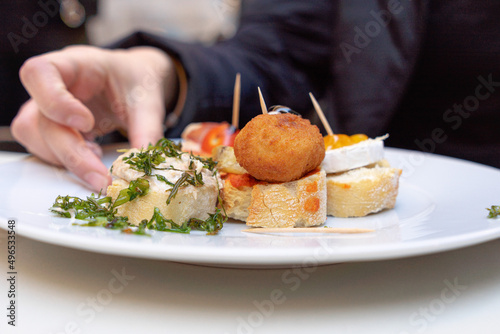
222,134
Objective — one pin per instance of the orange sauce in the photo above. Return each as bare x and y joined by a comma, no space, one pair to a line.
338,140
239,181
312,204
312,187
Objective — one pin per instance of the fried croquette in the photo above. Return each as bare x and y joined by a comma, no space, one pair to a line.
279,147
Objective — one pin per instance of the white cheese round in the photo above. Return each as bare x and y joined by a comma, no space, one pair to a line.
354,156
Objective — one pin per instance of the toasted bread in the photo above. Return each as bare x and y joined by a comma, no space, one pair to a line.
361,191
190,202
299,203
226,160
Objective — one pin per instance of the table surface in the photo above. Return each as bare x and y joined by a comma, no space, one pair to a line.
64,290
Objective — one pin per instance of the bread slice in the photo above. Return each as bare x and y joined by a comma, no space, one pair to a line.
361,191
237,195
299,203
226,160
189,202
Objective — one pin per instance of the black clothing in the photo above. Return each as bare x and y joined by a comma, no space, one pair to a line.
29,28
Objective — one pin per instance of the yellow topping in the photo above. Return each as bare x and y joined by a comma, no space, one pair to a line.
337,141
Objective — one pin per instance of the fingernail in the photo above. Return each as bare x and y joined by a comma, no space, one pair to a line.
96,180
77,122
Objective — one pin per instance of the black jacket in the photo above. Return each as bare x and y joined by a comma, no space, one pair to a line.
426,72
29,28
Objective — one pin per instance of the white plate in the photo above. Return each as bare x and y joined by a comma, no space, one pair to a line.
441,206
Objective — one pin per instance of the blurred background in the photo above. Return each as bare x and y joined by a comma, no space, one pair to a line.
190,20
30,27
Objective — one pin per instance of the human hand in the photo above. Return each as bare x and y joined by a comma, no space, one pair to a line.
81,93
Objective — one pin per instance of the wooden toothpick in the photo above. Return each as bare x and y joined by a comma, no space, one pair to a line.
321,115
262,102
236,101
308,230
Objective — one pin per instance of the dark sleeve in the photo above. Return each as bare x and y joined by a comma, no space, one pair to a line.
378,43
282,46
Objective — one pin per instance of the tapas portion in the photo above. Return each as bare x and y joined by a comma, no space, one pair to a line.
155,188
278,171
273,178
181,186
359,180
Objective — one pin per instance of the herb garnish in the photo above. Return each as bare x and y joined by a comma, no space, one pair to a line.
136,188
185,179
148,160
145,161
494,211
211,225
159,223
102,211
69,206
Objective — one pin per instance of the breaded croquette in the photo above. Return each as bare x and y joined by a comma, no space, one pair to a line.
279,147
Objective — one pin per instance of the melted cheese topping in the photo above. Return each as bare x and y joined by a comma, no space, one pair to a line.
172,169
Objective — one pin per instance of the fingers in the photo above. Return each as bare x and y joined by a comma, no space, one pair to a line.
24,129
74,153
146,120
59,145
48,79
146,113
65,84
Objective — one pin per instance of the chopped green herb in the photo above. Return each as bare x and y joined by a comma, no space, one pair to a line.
159,223
148,160
185,179
163,179
212,225
168,147
136,188
494,211
208,163
69,206
98,212
145,161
